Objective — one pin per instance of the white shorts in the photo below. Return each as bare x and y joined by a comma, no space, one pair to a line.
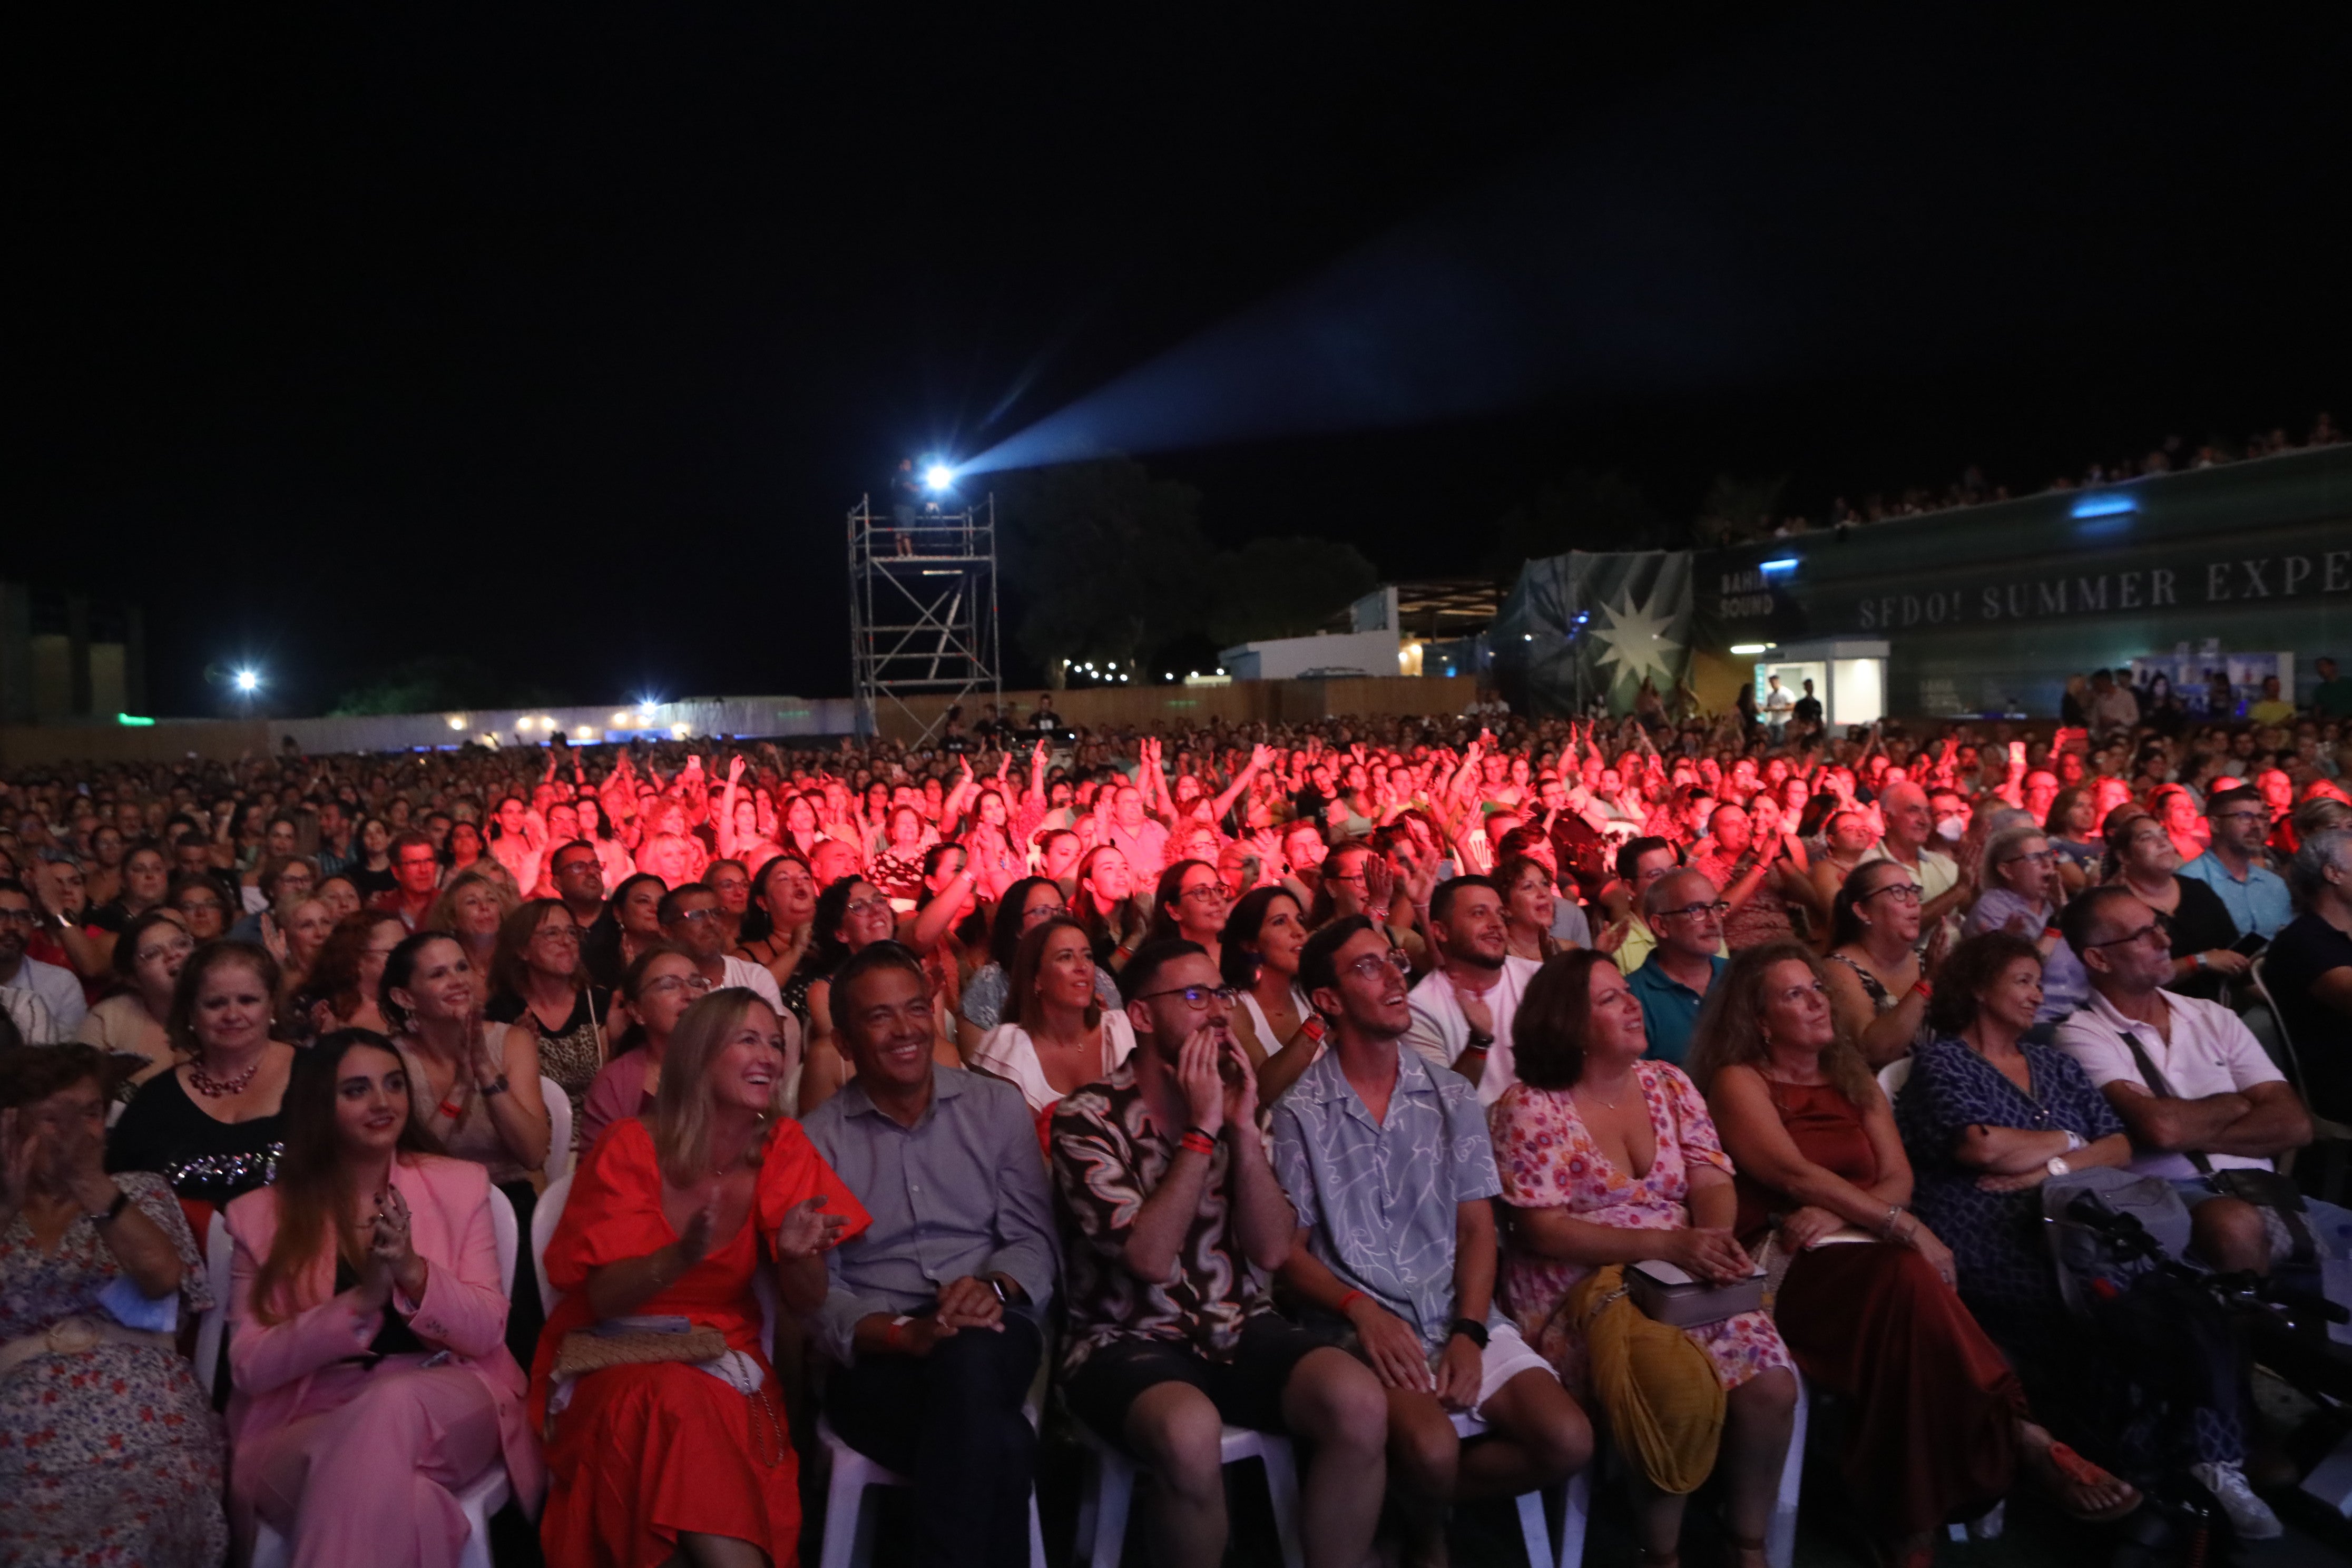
1507,1355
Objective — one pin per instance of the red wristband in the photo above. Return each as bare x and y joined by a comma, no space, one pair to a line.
1923,988
1349,1299
1198,1142
1312,1027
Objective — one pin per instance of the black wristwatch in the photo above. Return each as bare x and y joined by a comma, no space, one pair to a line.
1476,1042
1003,1297
497,1087
1470,1329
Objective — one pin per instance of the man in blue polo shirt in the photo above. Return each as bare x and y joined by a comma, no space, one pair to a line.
1686,911
2232,866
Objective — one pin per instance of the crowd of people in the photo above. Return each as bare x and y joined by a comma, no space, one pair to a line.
1972,488
1356,1081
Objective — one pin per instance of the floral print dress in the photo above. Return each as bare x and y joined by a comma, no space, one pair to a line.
112,1455
1547,1158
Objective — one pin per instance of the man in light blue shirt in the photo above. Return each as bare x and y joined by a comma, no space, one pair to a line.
1386,1157
2232,866
934,1313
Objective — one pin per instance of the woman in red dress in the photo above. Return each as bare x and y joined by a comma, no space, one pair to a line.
1940,1426
672,1215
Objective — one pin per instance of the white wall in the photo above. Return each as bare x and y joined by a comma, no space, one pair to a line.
1287,659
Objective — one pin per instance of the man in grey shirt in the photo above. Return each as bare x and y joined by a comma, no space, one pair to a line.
934,1313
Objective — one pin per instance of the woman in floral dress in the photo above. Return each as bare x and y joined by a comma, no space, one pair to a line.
108,1452
1610,1159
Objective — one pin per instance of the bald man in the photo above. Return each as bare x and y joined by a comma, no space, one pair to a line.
1943,889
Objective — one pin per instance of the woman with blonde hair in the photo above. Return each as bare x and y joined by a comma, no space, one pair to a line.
471,908
687,1461
1866,1295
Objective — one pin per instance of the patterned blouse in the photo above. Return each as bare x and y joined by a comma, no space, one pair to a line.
1547,1158
109,1455
1108,1157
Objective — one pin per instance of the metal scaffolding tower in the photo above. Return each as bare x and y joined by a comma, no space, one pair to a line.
922,610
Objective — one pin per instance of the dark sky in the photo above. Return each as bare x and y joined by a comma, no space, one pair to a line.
563,343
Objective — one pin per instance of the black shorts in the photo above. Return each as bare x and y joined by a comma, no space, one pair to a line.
1246,1390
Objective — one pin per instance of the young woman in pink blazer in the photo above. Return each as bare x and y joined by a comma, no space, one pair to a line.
370,1377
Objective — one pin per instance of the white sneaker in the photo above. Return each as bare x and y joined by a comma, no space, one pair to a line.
2250,1516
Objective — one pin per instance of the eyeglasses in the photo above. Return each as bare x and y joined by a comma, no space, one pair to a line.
1902,892
150,955
1197,996
1718,908
1215,890
26,917
1378,966
2038,858
694,982
2145,933
861,909
1041,913
691,916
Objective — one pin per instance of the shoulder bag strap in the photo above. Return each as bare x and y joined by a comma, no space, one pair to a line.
2156,1082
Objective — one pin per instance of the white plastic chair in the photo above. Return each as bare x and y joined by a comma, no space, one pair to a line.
543,1219
1546,1548
488,1494
1780,1534
1110,1489
558,1128
849,1524
1893,1076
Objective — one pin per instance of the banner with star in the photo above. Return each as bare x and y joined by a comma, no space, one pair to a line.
1586,627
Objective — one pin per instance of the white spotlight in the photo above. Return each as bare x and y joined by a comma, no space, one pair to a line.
939,476
247,680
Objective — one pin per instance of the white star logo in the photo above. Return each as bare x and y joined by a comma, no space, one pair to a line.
1635,641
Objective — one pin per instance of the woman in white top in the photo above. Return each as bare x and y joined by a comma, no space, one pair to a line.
131,1022
1059,1037
1276,1025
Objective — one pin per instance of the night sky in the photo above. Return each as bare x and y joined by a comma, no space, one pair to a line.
563,343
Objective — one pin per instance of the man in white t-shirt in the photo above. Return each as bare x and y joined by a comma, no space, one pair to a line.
1945,893
1461,1010
690,917
1778,705
2221,1104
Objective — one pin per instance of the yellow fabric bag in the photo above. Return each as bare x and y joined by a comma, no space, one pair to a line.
1657,1389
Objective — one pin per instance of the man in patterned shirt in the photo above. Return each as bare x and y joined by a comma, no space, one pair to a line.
1177,1220
1387,1160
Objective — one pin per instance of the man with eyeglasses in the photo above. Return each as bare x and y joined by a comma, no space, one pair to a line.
2194,1086
1640,863
1686,911
1176,1221
2231,865
58,993
1461,1010
415,879
1386,1157
690,916
579,877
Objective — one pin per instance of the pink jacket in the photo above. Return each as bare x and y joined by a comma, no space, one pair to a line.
464,1310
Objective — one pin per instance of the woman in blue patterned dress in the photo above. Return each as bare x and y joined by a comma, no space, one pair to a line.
1986,1120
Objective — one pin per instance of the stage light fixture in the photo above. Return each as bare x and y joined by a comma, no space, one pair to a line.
247,681
939,476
